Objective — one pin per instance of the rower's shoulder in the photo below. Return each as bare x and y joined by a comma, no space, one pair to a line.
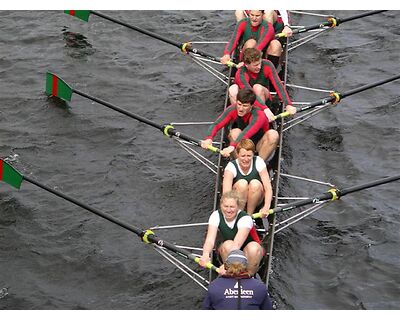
268,63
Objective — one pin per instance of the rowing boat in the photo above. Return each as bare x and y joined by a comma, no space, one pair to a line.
14,178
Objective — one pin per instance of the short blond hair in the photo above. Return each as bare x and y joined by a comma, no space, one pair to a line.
231,195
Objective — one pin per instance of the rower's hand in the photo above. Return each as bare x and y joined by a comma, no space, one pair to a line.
287,31
239,65
269,114
222,270
264,211
227,151
204,260
225,58
292,110
206,143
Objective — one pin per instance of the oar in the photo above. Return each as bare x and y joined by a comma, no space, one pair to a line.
332,194
332,22
336,97
11,176
184,47
57,87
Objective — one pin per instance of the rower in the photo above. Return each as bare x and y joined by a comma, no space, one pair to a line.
237,231
247,121
279,19
253,32
248,176
257,74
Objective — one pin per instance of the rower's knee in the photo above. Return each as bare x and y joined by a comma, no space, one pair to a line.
253,252
239,15
251,43
274,48
255,186
241,185
234,133
273,136
225,249
261,91
233,91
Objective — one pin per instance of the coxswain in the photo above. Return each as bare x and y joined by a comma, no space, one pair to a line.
237,290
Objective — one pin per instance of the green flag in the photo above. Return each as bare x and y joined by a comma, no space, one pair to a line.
57,87
81,14
9,175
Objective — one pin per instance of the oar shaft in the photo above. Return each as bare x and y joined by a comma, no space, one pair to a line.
369,86
132,27
118,109
347,93
329,23
169,131
361,15
151,238
85,206
330,195
368,185
157,36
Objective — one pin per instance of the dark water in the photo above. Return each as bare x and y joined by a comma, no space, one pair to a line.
54,255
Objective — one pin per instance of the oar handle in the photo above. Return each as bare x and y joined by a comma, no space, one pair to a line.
213,149
231,64
209,265
170,131
258,214
282,115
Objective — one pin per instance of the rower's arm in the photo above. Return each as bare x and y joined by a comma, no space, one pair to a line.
234,40
209,243
240,238
227,182
267,34
265,179
271,73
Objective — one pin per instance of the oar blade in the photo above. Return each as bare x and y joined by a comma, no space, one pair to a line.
9,175
81,14
57,87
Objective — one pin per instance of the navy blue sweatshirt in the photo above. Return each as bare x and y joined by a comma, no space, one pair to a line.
223,294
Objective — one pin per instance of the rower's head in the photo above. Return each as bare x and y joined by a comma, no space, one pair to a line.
245,150
256,17
252,58
229,204
236,263
244,101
